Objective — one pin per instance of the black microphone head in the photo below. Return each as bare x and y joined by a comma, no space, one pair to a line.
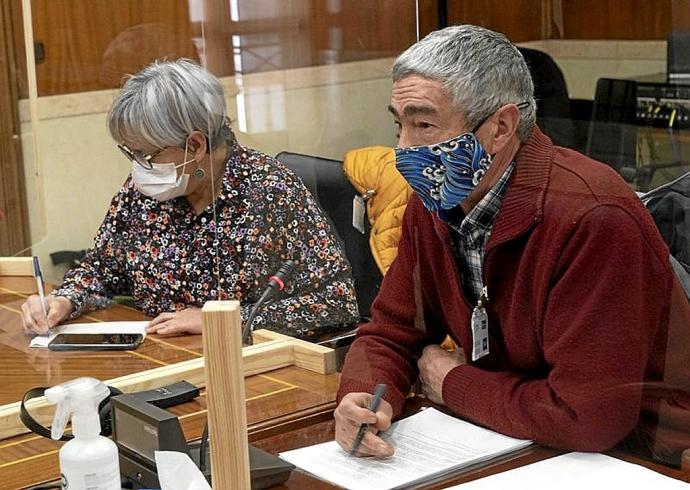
278,279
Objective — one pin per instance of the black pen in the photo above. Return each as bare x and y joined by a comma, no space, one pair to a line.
373,406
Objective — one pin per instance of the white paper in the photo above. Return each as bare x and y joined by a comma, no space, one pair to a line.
96,327
427,444
576,471
177,471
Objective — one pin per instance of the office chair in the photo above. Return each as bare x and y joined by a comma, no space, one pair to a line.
613,132
333,192
551,95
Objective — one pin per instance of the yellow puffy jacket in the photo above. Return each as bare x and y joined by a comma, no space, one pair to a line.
373,169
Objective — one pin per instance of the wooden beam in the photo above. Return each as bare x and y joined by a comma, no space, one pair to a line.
16,266
14,216
225,394
270,351
309,356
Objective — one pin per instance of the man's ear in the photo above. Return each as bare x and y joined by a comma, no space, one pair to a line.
503,126
197,145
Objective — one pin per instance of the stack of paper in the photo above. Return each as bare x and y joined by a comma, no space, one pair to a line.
428,445
575,471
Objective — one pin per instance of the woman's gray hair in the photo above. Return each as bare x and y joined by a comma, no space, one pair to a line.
165,102
479,68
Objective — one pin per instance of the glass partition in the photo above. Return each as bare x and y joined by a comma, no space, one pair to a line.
307,81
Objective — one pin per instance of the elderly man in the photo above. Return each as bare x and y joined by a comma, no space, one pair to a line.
540,263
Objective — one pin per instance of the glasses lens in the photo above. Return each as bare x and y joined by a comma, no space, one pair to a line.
136,157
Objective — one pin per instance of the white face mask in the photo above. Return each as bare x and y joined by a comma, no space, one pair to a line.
161,182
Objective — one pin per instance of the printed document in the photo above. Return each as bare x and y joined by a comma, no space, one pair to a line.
428,445
575,471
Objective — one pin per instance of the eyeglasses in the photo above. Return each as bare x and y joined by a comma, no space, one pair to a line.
141,158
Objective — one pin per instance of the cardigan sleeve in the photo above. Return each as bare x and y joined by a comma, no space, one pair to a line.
608,298
386,349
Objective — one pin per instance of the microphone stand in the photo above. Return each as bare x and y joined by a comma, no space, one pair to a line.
276,283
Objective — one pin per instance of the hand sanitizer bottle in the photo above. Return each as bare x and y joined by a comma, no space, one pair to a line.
89,461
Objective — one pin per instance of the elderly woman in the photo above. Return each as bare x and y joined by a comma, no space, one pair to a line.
202,218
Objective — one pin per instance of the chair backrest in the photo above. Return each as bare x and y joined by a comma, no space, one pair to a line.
613,132
669,206
551,95
328,184
16,266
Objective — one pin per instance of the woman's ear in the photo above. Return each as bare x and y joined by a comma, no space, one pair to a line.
196,144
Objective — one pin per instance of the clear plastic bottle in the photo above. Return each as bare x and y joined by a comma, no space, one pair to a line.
89,461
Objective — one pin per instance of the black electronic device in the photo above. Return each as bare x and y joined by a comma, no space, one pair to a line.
635,129
95,341
678,57
140,429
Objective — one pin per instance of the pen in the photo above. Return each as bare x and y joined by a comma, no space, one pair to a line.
373,406
39,286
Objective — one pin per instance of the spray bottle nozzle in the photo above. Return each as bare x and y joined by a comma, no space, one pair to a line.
79,398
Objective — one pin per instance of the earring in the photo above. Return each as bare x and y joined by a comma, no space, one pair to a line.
199,174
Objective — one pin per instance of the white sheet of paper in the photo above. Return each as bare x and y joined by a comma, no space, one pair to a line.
96,327
575,471
427,444
177,471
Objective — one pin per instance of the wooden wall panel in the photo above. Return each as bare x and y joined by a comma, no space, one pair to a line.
520,20
362,29
617,19
78,34
88,44
14,224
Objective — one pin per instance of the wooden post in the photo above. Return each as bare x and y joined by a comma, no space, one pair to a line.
16,266
227,415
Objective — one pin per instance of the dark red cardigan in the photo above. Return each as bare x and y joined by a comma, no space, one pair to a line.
579,287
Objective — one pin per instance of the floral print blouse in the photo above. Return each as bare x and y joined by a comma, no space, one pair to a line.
168,258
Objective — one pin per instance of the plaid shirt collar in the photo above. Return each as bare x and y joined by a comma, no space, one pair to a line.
478,222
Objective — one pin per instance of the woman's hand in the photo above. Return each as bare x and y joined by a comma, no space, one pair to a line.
176,323
58,309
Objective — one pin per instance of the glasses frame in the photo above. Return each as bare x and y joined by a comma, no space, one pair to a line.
143,159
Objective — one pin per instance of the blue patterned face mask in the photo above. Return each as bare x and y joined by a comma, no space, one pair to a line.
443,174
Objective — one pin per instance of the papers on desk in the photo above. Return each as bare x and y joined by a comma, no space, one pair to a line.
428,445
97,327
575,471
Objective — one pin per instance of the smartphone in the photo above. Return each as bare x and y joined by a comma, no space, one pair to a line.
96,341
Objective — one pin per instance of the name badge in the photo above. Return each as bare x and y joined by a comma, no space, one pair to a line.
359,209
480,331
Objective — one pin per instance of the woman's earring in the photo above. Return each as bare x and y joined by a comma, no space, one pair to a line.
199,174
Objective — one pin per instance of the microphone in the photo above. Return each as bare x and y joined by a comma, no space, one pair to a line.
276,283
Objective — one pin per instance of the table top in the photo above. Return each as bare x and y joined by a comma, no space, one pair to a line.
287,408
281,400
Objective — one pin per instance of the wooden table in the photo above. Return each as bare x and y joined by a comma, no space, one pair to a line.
280,401
286,409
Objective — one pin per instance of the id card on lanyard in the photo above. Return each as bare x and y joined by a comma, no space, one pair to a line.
480,327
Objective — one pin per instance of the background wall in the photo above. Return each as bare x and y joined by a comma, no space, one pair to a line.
322,110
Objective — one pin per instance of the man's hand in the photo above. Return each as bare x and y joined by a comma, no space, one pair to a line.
434,365
176,323
353,412
58,309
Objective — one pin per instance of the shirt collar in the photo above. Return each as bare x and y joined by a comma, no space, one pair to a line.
481,217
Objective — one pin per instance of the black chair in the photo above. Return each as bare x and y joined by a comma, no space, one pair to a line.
328,184
551,94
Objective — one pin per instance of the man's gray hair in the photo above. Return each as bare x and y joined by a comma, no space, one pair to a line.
479,68
165,102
